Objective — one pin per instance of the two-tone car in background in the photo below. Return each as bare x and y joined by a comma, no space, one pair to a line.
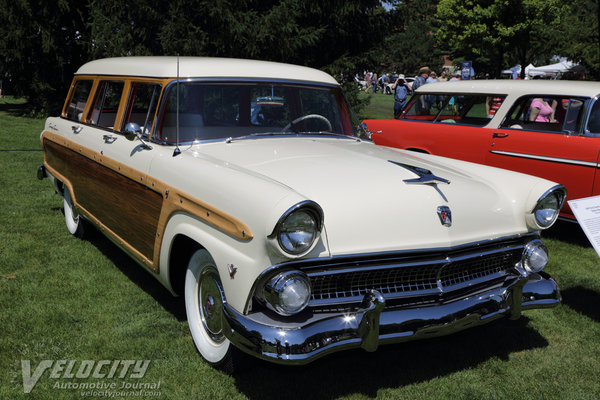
245,187
493,122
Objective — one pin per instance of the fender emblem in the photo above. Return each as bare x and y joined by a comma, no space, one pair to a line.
232,270
445,215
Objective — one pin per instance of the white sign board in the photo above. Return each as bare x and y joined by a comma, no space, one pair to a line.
587,212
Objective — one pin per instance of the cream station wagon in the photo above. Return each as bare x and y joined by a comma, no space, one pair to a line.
245,186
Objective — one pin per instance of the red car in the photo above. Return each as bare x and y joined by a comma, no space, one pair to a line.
550,129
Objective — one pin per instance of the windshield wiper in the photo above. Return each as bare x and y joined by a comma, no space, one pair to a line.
257,134
288,133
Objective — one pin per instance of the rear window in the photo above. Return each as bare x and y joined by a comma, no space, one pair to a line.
556,114
78,100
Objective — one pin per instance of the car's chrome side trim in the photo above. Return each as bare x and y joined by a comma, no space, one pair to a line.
546,158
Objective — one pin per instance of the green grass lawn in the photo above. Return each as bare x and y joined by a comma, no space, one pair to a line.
381,106
64,298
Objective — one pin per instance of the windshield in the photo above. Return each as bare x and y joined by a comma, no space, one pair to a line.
224,110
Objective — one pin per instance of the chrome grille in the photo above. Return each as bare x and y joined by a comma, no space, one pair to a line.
412,277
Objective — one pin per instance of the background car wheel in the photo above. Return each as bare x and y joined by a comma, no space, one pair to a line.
75,223
204,308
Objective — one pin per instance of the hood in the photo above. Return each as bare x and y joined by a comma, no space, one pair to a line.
368,206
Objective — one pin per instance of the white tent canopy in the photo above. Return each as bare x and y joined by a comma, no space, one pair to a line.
549,70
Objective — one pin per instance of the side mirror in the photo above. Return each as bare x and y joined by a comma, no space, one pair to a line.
133,131
364,132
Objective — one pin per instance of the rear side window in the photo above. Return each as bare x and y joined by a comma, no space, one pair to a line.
76,106
546,114
141,106
106,104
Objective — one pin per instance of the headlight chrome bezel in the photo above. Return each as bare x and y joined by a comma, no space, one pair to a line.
309,209
545,216
273,292
535,256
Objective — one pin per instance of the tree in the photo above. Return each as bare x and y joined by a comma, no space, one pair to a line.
581,35
413,42
42,43
501,31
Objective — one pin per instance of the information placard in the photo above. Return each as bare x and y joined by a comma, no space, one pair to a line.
587,212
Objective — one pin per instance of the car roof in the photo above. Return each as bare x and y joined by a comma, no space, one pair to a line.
202,67
515,87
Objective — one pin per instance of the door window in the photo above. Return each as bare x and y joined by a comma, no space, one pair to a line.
106,104
141,107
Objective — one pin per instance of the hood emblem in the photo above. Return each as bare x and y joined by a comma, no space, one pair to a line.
425,176
445,215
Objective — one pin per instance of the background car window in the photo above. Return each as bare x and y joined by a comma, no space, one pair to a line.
106,104
81,92
546,114
141,107
459,108
593,125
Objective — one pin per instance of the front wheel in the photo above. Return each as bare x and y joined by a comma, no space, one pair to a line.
204,308
75,223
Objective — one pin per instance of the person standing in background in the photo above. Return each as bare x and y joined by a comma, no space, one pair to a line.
400,89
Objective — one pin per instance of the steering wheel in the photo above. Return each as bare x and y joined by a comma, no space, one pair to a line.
307,116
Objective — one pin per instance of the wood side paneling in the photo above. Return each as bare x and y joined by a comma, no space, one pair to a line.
128,208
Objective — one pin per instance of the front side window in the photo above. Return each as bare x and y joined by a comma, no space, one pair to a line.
81,92
229,110
546,113
141,106
106,104
465,109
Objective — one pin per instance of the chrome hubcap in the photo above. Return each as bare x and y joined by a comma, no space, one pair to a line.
211,306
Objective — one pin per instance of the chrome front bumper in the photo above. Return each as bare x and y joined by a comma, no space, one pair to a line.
372,325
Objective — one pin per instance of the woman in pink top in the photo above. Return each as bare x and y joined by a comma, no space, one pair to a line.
541,111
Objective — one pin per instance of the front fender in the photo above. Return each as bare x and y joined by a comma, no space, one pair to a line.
249,258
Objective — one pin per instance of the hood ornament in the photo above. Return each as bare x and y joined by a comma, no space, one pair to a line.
425,176
445,215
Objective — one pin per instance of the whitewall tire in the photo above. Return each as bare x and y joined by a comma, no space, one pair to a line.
75,223
204,309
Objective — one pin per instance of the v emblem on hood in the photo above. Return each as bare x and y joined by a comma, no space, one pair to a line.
425,176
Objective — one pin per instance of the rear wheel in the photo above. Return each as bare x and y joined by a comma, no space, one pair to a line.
75,223
204,308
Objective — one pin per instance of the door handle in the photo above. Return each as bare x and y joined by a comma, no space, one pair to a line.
109,138
499,135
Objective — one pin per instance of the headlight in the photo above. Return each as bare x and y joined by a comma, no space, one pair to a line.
535,256
299,227
287,293
549,205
